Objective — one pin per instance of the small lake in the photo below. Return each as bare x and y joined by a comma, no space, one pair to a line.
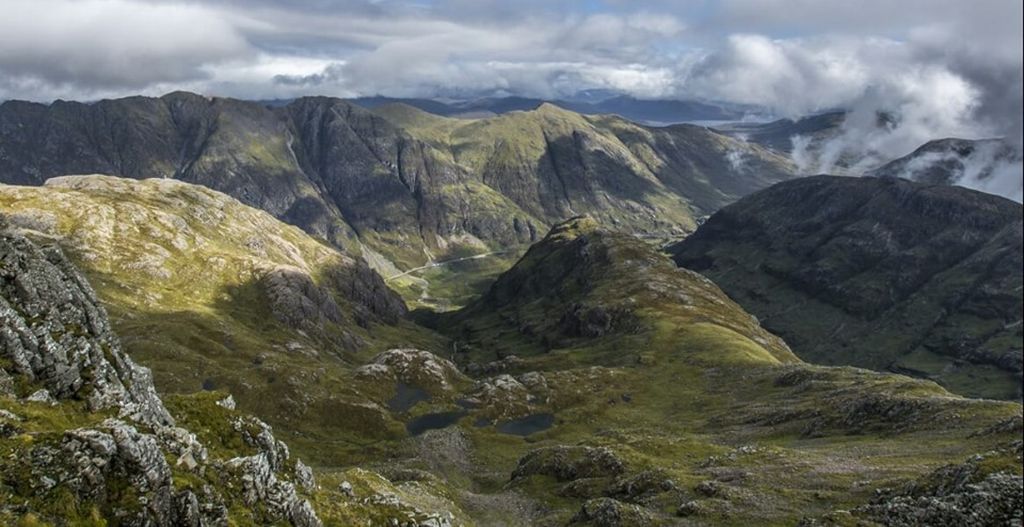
426,422
525,426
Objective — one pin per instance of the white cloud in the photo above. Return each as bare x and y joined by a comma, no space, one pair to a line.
91,46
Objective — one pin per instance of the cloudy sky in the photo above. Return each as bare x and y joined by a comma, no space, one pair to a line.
946,67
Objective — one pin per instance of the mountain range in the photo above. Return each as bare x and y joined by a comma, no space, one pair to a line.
313,313
405,194
594,384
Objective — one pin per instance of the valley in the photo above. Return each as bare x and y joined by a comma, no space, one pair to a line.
539,317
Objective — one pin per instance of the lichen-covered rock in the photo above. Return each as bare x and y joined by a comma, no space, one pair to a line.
952,495
607,512
260,484
56,342
414,367
116,461
640,486
304,476
259,435
259,474
567,463
55,333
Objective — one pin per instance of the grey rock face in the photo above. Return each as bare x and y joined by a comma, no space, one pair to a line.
261,485
958,498
115,458
300,303
55,333
297,301
259,475
607,512
567,463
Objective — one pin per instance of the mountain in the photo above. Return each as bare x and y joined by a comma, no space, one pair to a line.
879,273
603,165
650,398
595,383
365,184
584,284
971,163
215,295
653,111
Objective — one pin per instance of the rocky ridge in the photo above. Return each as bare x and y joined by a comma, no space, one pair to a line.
56,338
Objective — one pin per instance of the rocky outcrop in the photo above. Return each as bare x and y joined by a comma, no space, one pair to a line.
297,301
56,337
115,461
301,303
55,334
414,367
372,298
997,499
607,512
567,463
877,272
968,493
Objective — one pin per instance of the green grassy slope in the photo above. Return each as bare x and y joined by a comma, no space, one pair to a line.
685,388
594,379
184,274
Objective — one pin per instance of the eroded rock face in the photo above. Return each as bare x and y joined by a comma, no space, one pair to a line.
297,301
372,298
115,459
55,333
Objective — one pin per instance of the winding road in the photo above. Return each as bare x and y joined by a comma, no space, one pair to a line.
445,262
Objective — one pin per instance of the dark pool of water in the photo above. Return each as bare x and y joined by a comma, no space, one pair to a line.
426,422
525,426
406,397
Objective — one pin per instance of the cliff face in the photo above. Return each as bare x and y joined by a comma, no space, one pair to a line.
55,335
63,376
880,273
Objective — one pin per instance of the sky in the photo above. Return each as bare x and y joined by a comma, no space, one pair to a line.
943,67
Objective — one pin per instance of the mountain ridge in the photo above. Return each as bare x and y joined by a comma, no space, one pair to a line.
881,273
357,180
